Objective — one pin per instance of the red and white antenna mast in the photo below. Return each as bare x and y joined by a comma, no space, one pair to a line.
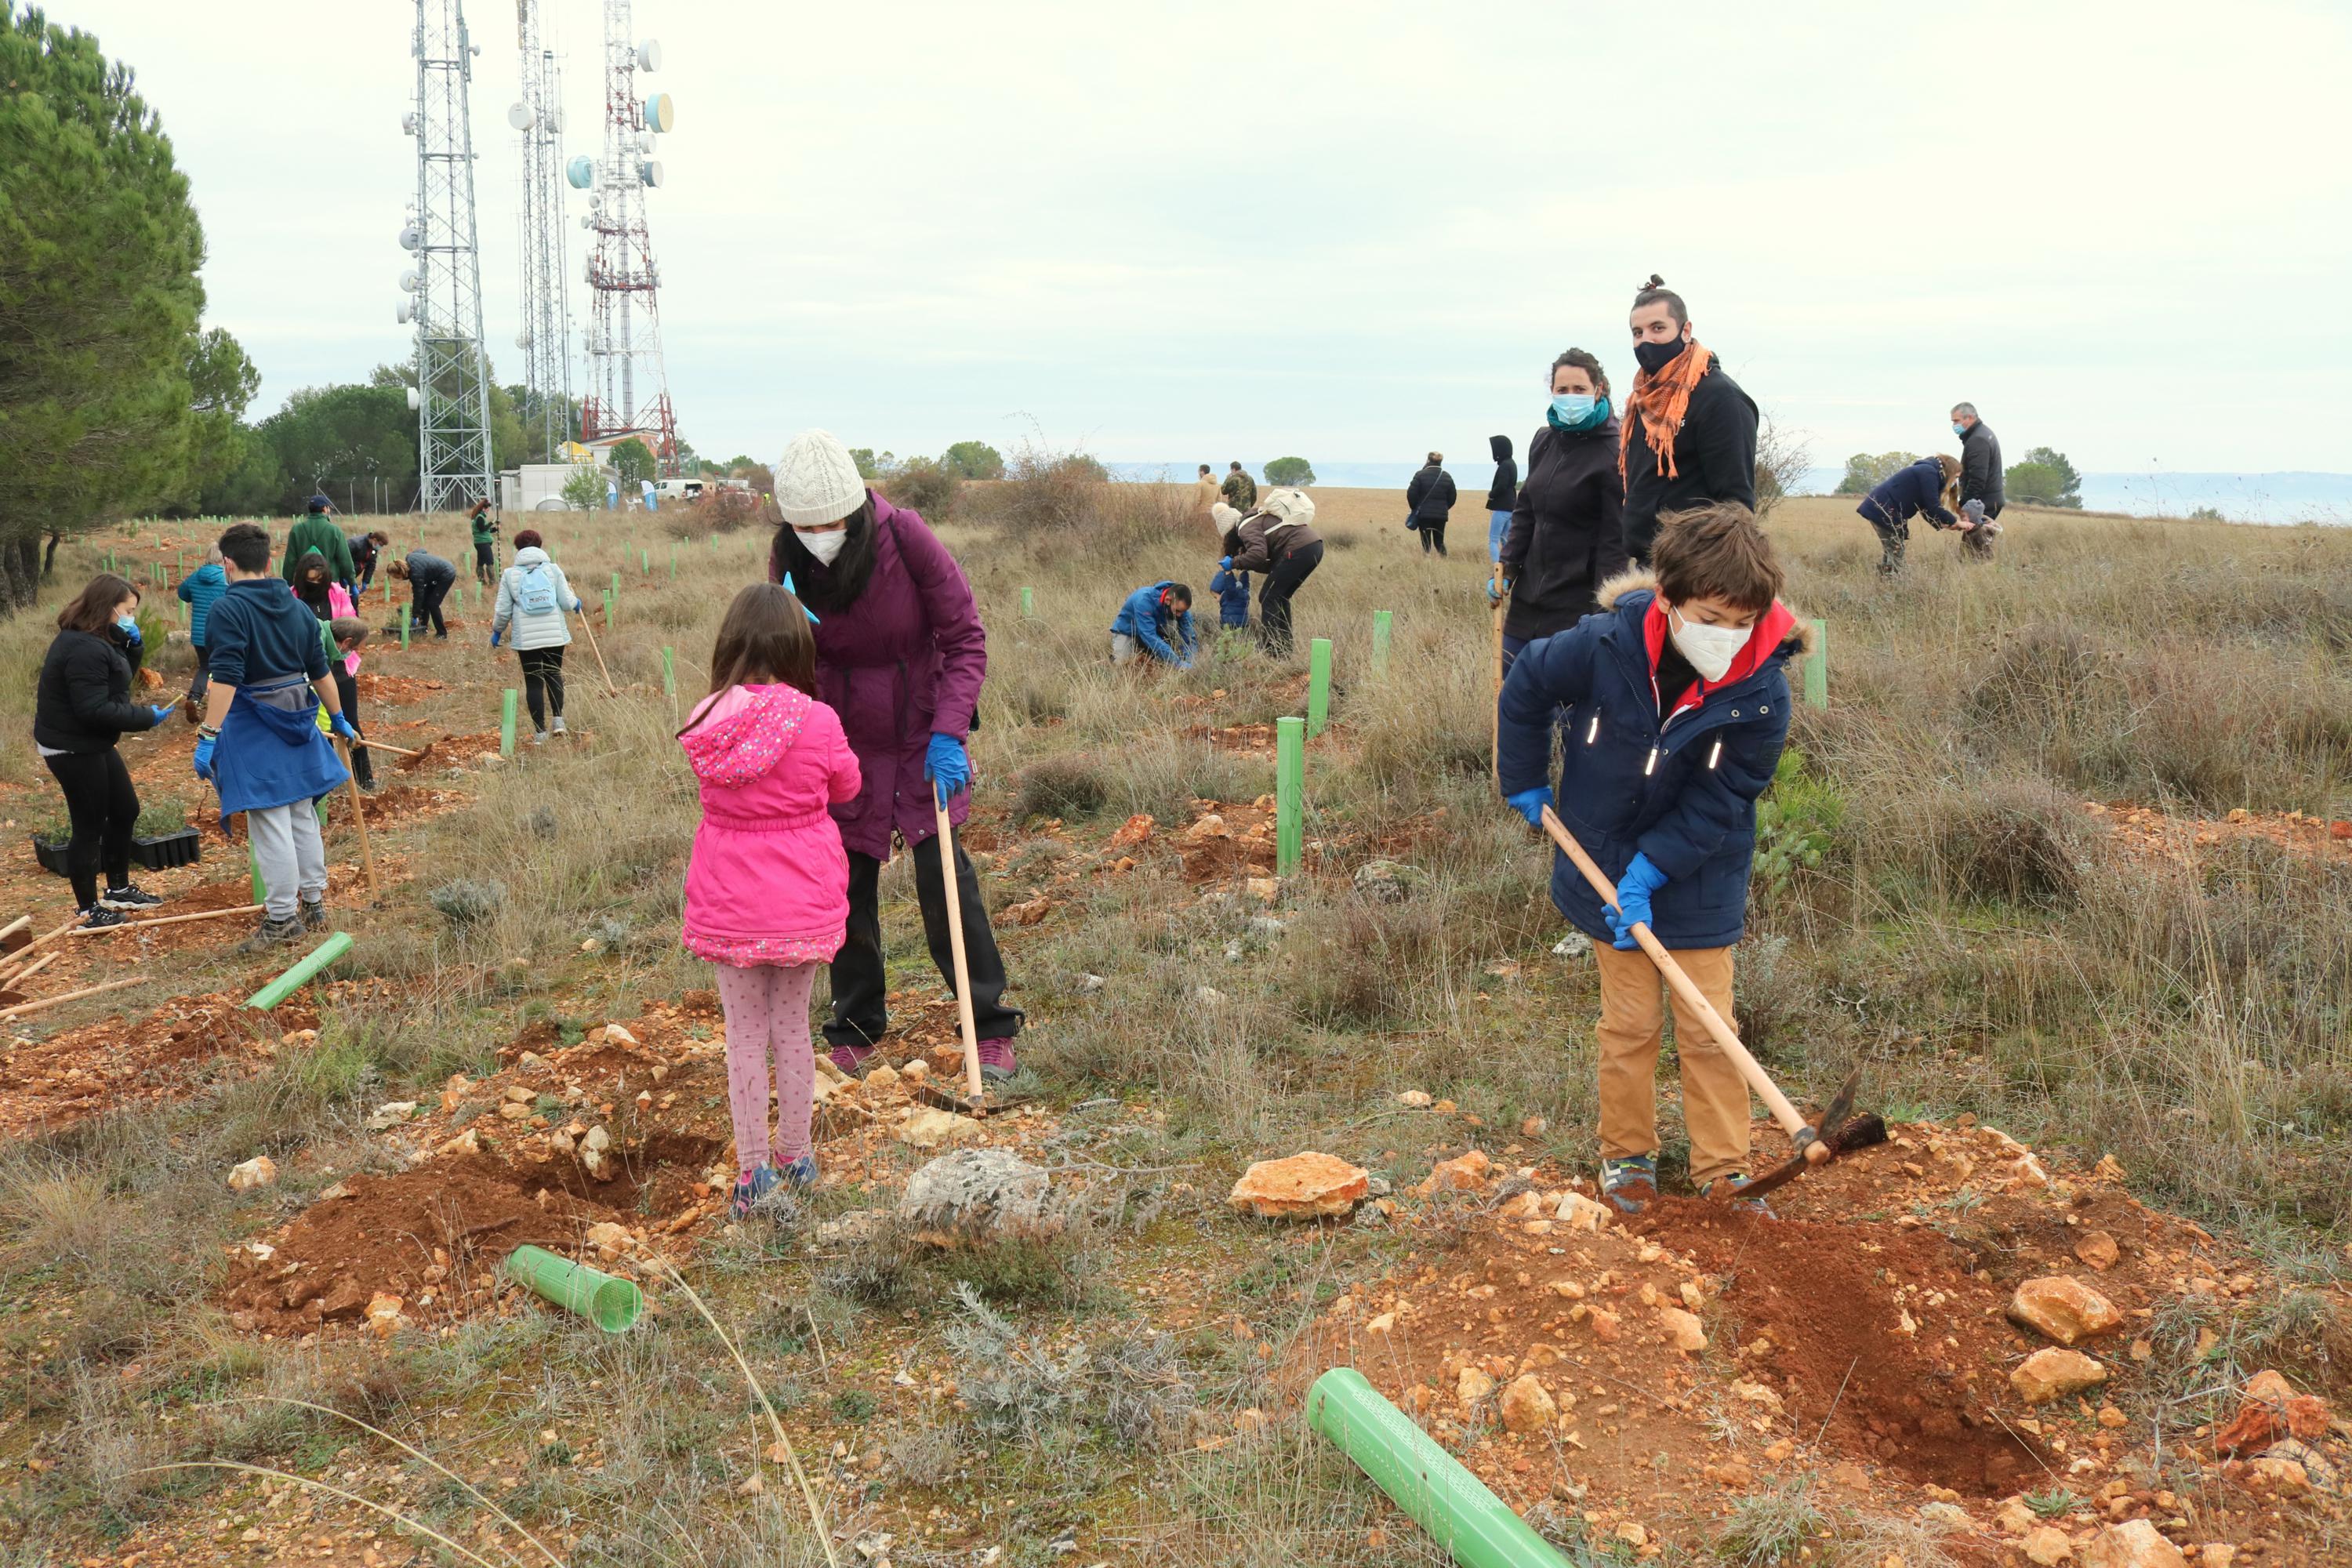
628,391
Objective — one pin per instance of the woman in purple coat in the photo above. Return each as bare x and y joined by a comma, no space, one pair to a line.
900,656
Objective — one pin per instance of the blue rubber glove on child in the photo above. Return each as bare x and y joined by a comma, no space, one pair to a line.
1640,880
205,755
1530,804
946,765
494,639
341,723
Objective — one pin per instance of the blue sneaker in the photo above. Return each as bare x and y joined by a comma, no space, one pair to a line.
1726,1189
1628,1186
751,1187
801,1173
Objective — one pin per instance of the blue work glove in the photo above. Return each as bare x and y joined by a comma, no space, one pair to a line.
1497,589
1224,563
205,755
948,766
1633,889
161,713
1530,804
494,639
341,724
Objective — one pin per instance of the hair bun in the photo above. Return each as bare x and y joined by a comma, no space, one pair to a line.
1655,282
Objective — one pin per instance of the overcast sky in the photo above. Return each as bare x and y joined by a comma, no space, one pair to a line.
1355,231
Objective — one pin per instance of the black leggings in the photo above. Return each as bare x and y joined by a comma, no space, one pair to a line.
543,682
1274,599
425,607
347,693
103,808
860,991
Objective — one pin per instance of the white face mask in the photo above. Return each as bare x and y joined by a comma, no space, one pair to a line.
824,546
1710,649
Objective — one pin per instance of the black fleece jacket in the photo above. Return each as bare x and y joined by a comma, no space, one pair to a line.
1715,459
1565,537
82,703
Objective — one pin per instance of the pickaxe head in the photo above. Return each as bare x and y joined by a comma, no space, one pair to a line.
1824,1133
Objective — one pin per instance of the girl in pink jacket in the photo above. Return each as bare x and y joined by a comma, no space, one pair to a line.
767,890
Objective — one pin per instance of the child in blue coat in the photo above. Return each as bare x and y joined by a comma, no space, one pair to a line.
1672,705
1233,591
1155,620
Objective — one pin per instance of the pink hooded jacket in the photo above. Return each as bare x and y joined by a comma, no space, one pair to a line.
768,882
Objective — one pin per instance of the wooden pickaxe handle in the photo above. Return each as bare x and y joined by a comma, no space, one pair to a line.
954,895
1687,992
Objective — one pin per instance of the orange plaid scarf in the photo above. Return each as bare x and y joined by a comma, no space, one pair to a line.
1661,400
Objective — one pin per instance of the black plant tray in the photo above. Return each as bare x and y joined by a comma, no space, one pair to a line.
169,850
52,856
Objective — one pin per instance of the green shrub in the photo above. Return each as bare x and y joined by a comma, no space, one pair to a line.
923,486
1059,786
1796,824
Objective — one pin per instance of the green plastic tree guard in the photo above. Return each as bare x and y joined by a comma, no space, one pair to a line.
1382,621
1028,602
673,563
1475,1526
507,722
669,673
609,1303
293,980
260,888
1289,781
405,611
1817,668
645,561
1319,684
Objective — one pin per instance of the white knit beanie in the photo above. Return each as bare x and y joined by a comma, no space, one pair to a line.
1226,517
816,480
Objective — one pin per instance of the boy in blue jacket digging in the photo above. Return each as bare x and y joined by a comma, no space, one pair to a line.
1672,706
1155,620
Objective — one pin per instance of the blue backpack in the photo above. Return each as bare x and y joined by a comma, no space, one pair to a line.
534,591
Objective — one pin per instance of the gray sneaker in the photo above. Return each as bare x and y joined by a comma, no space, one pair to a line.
312,913
556,724
272,933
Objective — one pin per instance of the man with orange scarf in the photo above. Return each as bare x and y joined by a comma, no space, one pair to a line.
1690,434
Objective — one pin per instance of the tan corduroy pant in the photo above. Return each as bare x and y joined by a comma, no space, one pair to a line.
1633,1017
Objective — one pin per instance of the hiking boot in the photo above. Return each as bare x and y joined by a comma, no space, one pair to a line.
312,913
799,1172
272,933
996,1063
856,1061
98,916
751,1187
127,896
1629,1185
1726,1189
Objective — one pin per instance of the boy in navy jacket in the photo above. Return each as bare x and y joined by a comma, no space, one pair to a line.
1233,591
1673,705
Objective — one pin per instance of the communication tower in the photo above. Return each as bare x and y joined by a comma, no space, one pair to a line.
452,394
546,336
627,391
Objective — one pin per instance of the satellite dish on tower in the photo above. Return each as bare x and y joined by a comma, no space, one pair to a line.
410,279
405,314
522,340
661,113
581,172
650,173
414,400
408,124
521,117
649,54
409,237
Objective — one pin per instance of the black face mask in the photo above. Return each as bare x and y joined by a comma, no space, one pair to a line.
1656,357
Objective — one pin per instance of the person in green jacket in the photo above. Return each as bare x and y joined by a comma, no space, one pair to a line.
318,532
485,542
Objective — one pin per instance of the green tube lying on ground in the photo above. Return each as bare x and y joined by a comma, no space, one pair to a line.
1429,1484
286,984
611,1304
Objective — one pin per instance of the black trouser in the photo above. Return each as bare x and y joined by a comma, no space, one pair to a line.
347,693
1273,600
1433,537
543,682
424,606
193,706
485,565
103,808
860,1011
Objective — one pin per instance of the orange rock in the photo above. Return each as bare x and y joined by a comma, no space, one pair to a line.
2097,1250
2052,1374
1307,1185
1133,831
1526,1406
1466,1175
2065,1309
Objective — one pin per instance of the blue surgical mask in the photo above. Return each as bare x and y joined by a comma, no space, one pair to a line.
1959,429
128,627
1576,411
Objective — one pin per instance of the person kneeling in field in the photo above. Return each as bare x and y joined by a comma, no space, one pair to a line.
1672,705
1146,621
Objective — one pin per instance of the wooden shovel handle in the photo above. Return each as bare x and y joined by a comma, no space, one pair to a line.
955,945
1687,992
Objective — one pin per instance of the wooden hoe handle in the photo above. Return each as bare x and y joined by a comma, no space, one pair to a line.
954,896
1687,992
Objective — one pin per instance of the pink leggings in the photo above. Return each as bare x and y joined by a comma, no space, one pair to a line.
767,1012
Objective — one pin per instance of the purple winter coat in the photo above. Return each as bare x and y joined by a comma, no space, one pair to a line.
902,663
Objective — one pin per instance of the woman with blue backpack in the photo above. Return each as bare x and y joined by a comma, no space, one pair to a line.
534,598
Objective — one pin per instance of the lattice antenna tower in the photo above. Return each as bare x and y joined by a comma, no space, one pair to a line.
452,394
627,390
546,336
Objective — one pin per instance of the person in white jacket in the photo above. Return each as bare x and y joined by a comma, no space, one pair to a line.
534,598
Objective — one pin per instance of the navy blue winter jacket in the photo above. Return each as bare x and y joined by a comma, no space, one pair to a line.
1233,591
1143,617
1684,793
1909,490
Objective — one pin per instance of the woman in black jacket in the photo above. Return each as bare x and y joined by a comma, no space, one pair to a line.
82,706
1565,537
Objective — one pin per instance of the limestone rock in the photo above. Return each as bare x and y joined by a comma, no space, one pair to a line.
878,1082
261,1170
975,1194
391,1113
1579,1213
1307,1185
2052,1374
2046,1546
1472,1386
1388,881
1525,1405
2064,1310
1684,1330
613,1034
926,1127
2097,1250
2134,1543
609,1239
2016,1518
1466,1175
1414,1100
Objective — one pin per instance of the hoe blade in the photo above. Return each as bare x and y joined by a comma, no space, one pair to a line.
1825,1131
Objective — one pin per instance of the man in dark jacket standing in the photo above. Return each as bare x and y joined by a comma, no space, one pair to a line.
1501,496
1690,431
1981,496
1429,501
